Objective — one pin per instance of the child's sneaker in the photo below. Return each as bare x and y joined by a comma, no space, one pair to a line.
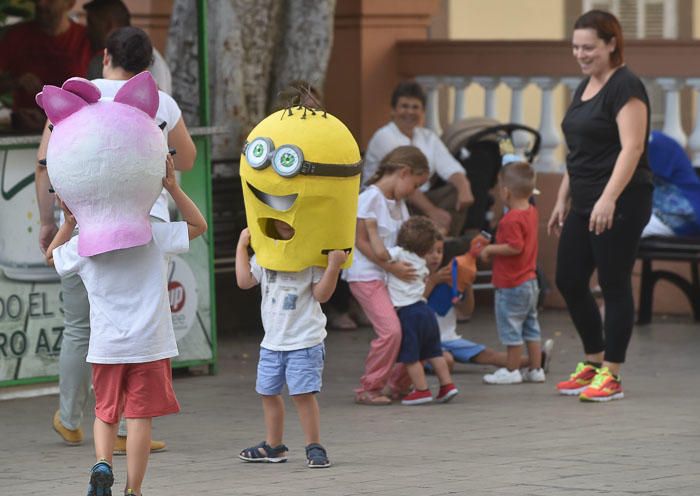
605,387
579,380
101,479
417,397
547,349
533,375
504,376
446,393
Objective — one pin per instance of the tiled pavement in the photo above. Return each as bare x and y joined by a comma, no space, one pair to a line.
490,441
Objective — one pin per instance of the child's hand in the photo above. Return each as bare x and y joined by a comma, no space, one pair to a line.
67,214
169,181
485,254
336,258
244,238
443,275
402,270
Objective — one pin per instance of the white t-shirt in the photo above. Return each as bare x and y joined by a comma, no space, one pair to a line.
404,293
130,318
448,325
389,214
161,72
291,316
168,112
388,137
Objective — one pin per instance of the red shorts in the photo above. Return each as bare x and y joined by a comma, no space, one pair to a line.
135,390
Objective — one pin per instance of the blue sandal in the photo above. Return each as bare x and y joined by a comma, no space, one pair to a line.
101,479
264,453
316,456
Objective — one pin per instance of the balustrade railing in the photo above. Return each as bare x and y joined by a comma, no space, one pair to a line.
669,66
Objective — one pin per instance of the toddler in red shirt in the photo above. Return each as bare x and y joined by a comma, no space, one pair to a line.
514,256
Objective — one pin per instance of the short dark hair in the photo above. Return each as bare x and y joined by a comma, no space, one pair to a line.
606,27
130,49
519,178
418,235
409,89
115,9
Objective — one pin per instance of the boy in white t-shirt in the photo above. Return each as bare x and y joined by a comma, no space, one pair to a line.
132,337
292,350
420,334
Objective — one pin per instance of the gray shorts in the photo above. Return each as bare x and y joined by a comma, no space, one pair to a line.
301,370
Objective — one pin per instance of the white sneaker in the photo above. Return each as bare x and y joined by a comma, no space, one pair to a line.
547,349
504,376
533,375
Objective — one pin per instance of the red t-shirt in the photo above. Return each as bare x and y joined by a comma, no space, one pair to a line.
517,228
24,48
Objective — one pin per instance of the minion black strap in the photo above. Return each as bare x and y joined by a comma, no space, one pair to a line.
330,170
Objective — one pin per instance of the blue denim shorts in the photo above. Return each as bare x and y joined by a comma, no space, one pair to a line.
301,370
462,349
516,313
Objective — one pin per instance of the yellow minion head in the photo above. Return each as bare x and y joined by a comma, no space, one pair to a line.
301,167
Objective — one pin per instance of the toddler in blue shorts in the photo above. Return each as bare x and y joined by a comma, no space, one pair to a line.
292,351
420,334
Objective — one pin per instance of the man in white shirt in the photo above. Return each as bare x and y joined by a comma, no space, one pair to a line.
446,205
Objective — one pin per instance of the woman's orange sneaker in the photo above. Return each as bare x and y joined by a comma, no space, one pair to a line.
578,381
605,387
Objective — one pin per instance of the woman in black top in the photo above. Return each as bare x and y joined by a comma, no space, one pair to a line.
608,181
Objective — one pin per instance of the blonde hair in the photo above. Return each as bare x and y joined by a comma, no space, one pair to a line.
398,158
519,178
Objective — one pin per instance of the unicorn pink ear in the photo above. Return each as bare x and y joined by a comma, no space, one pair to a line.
83,88
141,92
59,103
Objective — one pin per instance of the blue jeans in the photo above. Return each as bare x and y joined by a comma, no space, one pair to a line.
516,313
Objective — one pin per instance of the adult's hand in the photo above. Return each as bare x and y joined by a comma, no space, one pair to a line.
601,215
556,219
464,199
441,217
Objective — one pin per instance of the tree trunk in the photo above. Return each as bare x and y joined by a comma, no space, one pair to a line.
255,49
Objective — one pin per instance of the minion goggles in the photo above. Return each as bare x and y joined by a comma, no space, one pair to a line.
288,161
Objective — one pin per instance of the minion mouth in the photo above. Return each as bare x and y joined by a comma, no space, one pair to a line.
280,203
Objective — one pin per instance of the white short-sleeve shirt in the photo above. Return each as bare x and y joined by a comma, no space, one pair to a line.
291,316
404,293
389,214
388,137
168,112
127,289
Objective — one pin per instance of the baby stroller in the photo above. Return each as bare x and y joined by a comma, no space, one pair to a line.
479,144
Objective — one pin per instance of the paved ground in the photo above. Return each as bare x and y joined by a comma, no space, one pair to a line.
491,440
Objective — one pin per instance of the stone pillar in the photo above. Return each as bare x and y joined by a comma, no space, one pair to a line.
363,68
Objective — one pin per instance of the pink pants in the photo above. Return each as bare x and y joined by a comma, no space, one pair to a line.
374,299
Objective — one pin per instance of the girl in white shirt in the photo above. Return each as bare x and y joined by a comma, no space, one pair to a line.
382,209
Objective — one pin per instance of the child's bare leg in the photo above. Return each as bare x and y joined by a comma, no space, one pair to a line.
514,354
449,359
534,351
138,448
498,358
273,408
309,416
417,374
441,370
105,434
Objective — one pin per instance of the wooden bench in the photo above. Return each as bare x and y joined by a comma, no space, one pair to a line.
677,249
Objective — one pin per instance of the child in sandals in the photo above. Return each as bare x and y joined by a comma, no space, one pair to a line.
292,350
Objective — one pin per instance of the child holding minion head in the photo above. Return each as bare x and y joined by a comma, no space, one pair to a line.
300,196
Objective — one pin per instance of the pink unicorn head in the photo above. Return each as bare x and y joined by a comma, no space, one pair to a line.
106,159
